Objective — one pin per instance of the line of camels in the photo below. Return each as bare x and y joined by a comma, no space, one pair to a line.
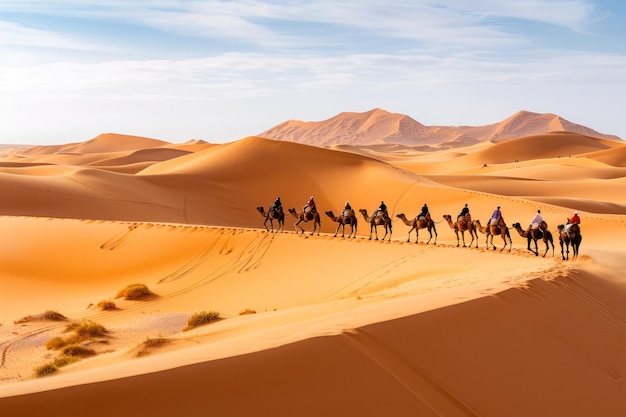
571,238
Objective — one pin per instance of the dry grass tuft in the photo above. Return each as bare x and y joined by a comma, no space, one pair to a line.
81,331
247,311
106,305
149,344
134,292
46,369
78,350
52,367
200,319
86,328
46,315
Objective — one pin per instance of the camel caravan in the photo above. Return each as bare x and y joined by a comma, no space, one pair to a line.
569,233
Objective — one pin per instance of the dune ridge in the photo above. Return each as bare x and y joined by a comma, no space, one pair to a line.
380,127
314,324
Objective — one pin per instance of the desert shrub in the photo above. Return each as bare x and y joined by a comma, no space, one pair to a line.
151,342
47,369
106,305
200,319
133,292
86,329
247,311
64,360
81,331
46,315
52,367
77,350
60,342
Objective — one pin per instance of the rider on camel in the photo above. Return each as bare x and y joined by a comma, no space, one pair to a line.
347,209
309,208
495,217
464,215
535,222
381,209
424,213
574,220
277,206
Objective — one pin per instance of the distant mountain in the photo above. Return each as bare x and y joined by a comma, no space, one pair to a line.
378,126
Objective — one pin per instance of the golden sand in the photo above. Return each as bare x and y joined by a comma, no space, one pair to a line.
333,326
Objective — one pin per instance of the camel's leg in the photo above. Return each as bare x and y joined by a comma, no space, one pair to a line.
551,242
463,238
297,225
528,238
337,231
265,223
409,238
431,236
315,228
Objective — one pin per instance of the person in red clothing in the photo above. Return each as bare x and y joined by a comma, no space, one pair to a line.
574,220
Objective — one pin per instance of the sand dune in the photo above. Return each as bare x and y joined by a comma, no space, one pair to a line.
335,326
380,127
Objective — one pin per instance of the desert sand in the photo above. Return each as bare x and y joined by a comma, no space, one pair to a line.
312,325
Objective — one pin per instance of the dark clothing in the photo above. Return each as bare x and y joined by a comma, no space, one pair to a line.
277,206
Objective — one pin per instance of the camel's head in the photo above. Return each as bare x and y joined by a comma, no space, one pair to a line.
517,225
292,211
363,211
447,217
329,213
401,215
260,209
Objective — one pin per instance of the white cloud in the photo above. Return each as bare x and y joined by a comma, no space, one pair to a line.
13,34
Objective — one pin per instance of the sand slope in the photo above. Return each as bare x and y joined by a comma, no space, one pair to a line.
340,326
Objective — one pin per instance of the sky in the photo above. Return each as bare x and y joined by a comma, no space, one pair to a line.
224,70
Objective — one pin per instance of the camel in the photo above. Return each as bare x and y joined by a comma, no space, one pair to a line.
574,237
376,221
302,218
271,216
347,217
535,234
462,227
423,223
493,230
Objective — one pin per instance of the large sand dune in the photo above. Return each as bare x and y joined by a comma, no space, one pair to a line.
334,326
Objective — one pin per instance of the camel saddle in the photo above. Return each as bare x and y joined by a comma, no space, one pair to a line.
464,219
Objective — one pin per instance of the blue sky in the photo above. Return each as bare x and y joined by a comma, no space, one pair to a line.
224,70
